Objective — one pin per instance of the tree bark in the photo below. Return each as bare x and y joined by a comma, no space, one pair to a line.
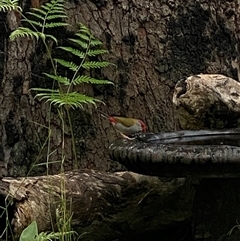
104,206
153,45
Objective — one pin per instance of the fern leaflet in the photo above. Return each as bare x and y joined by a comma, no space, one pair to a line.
79,42
95,42
59,79
33,23
67,64
95,64
83,36
95,52
72,99
24,32
10,5
43,19
35,15
86,79
84,29
55,25
74,51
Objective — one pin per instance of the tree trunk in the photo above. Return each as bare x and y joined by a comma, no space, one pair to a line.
104,206
153,45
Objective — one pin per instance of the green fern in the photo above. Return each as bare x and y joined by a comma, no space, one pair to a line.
79,42
85,46
72,99
45,17
86,79
24,32
82,49
9,5
70,65
76,52
95,64
60,79
95,52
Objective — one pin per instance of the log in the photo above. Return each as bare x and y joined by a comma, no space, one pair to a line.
104,205
207,101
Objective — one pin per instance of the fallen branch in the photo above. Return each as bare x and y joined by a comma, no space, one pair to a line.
104,205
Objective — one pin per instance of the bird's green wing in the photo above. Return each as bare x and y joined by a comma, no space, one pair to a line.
125,121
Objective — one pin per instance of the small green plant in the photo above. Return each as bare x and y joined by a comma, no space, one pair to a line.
10,5
237,226
65,95
30,233
82,54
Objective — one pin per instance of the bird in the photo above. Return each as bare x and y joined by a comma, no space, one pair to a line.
127,127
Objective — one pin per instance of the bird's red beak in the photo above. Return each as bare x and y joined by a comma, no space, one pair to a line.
112,119
143,126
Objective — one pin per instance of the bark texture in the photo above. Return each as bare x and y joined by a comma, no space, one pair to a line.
154,44
207,101
104,206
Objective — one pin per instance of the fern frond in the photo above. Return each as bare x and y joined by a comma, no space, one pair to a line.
84,29
45,90
53,5
83,36
67,64
72,99
52,37
76,52
54,16
39,11
49,11
79,42
25,32
95,64
38,16
59,11
95,42
95,52
32,22
86,79
9,5
58,78
55,25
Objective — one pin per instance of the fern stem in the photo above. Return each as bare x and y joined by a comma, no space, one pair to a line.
49,139
75,165
79,67
45,17
60,113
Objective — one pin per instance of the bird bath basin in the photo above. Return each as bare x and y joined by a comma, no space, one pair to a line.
202,153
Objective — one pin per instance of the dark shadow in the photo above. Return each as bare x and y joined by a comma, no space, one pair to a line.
181,232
